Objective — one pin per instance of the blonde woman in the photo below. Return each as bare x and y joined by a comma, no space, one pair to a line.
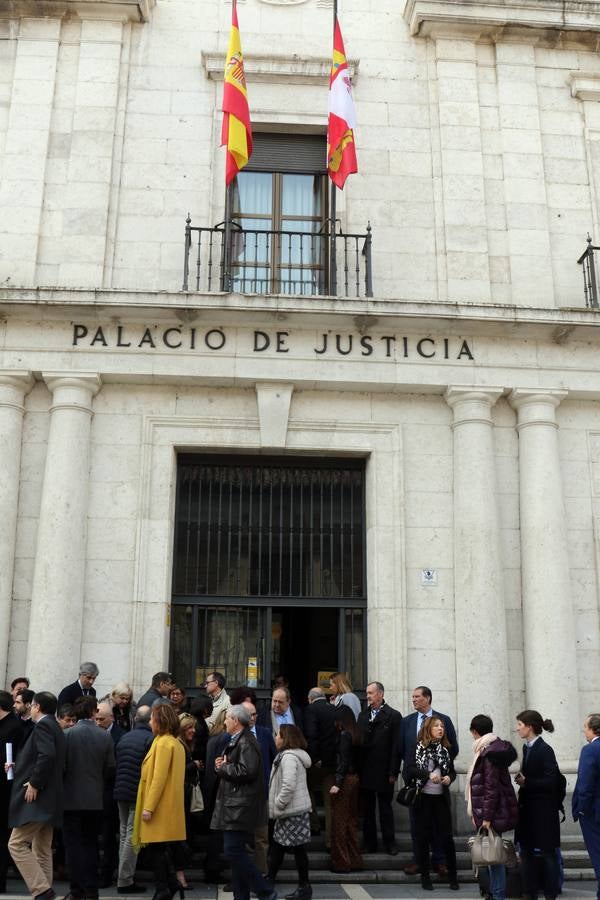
341,689
123,707
159,813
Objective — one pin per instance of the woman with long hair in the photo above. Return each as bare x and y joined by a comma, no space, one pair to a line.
490,796
345,850
159,812
187,734
433,771
289,806
538,830
341,691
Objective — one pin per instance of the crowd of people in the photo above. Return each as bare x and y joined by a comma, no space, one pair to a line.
83,772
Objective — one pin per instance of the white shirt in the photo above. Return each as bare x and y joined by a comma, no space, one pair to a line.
421,716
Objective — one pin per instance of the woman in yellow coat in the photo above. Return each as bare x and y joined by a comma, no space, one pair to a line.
160,812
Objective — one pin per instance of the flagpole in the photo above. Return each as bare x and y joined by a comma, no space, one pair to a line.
332,207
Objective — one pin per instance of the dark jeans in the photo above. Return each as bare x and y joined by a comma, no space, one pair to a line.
80,835
276,854
386,817
547,860
5,859
245,877
437,851
110,829
163,868
434,808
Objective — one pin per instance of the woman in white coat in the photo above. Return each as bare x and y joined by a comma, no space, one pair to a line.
289,806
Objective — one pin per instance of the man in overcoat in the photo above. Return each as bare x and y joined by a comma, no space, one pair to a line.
90,761
11,732
36,804
380,726
586,796
240,804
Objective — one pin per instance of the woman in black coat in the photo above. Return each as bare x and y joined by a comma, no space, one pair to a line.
539,827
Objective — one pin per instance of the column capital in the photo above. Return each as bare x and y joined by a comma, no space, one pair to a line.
471,403
72,390
15,384
536,406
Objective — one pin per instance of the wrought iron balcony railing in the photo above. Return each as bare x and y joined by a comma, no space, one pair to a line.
229,257
590,285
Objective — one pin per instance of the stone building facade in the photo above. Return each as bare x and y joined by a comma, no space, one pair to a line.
466,389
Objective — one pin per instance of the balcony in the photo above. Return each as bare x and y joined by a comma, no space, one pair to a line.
228,257
588,268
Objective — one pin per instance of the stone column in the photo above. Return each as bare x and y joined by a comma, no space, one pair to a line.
13,388
479,611
549,642
55,622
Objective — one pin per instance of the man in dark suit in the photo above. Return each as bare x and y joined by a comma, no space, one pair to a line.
11,732
321,736
411,725
22,708
282,711
90,761
379,725
36,804
268,752
586,796
110,815
83,687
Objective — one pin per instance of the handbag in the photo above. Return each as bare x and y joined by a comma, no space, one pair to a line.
488,848
409,795
197,800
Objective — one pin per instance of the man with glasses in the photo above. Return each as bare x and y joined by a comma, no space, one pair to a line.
215,688
36,804
162,684
83,687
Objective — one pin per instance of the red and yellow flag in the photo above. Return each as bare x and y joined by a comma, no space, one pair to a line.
236,132
341,150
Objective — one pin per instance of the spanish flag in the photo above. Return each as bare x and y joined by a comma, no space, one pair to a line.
341,150
236,132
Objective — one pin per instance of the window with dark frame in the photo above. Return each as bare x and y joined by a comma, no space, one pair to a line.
279,241
251,528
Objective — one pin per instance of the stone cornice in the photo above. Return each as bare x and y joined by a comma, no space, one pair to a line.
490,19
109,10
585,85
363,314
290,69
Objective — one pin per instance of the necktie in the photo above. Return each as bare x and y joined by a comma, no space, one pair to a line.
525,752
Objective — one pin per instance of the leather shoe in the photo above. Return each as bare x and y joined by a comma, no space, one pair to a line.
371,849
132,889
441,869
392,850
411,869
45,895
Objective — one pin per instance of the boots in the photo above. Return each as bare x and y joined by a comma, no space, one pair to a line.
302,892
426,882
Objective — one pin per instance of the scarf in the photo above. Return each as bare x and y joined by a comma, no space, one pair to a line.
478,747
436,753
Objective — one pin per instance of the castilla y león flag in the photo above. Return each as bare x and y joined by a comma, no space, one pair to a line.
236,132
341,150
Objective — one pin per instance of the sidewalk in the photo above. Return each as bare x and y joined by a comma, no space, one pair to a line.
584,890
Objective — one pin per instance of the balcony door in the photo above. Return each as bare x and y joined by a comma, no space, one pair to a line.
279,210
